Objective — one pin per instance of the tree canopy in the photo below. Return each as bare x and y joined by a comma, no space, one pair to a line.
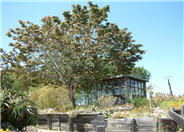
82,45
141,72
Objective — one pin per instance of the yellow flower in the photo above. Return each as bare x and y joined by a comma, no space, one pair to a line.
123,115
7,130
134,110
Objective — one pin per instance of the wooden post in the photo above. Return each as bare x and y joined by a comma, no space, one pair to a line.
49,122
71,125
182,110
157,126
134,125
59,122
99,123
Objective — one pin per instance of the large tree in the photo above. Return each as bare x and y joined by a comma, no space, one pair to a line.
82,45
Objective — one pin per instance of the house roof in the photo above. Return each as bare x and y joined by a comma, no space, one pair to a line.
126,76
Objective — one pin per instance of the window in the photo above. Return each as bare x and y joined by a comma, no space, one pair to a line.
142,92
109,91
135,93
122,90
129,82
133,90
136,84
132,83
122,82
116,91
141,84
103,92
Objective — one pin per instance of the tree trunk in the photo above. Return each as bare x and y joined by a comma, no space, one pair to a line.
71,94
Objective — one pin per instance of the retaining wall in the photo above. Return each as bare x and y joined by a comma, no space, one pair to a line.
94,123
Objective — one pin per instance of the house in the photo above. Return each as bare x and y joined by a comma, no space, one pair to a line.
123,87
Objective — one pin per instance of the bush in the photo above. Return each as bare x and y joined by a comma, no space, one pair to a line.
161,97
165,101
106,101
51,96
137,102
168,104
17,109
116,114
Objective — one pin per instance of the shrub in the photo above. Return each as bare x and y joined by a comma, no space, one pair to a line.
172,103
52,96
137,102
106,101
161,97
180,99
107,114
116,114
82,109
17,109
165,101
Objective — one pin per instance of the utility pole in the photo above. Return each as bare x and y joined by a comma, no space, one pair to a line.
169,84
170,89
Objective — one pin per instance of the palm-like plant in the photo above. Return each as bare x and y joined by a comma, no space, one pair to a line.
17,109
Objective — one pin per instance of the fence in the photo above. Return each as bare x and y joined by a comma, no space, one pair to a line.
178,116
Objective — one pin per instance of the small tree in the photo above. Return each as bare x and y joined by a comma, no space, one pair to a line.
83,45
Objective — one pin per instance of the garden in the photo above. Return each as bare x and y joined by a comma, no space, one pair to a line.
53,65
20,109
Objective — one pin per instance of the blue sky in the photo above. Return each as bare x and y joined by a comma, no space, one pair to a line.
156,25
